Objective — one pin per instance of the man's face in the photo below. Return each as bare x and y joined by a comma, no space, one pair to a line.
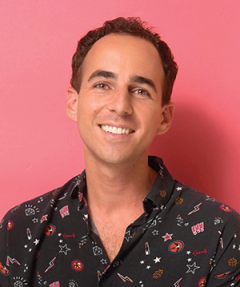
119,107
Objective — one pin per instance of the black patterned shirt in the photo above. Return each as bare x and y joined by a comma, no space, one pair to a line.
183,238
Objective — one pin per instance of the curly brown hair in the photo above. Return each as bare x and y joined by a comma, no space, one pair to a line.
130,26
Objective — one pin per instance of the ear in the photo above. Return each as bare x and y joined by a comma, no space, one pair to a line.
71,104
166,118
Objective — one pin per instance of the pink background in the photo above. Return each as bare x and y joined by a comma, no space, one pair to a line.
40,148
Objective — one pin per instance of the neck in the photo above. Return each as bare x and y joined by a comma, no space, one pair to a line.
117,187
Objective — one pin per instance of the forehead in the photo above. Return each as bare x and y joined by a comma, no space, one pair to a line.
124,55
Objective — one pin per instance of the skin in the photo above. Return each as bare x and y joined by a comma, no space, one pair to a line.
122,87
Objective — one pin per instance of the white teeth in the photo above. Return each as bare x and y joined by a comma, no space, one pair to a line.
115,130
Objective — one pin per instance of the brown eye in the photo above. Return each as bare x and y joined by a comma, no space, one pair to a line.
141,92
102,86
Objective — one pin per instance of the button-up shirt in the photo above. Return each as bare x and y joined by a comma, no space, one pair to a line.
183,238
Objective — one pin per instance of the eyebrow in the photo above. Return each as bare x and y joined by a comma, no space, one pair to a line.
143,80
102,73
111,75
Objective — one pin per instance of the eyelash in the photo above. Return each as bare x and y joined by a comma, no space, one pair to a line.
143,92
100,86
103,86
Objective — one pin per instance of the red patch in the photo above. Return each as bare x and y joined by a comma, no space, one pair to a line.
202,282
77,265
50,229
176,247
10,225
225,208
223,275
4,270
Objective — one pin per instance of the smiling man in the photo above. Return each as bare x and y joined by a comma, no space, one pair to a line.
124,220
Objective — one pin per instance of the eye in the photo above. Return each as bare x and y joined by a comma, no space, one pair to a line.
141,92
101,86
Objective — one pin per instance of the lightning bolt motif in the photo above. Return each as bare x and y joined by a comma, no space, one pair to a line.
12,261
196,209
124,278
51,264
176,284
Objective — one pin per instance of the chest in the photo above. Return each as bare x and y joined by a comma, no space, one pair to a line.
112,237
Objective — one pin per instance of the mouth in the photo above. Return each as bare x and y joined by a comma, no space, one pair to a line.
116,130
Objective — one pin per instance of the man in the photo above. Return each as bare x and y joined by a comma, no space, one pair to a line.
124,221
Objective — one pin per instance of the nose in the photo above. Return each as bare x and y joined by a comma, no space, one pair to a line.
121,103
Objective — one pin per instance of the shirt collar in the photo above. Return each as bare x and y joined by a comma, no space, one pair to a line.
157,196
162,188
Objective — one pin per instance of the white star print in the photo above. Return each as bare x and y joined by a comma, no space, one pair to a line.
239,248
148,267
142,262
234,246
127,235
192,268
64,249
103,261
36,241
157,259
59,234
189,259
179,188
155,232
188,252
235,235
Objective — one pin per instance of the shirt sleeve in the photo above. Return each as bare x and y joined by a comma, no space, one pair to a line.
226,262
5,225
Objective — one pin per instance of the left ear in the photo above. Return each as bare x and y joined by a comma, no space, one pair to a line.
166,118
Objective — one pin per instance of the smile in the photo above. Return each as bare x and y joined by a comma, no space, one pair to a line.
115,130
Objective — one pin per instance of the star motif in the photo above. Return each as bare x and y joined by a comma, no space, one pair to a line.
25,246
167,237
239,247
60,241
64,249
34,220
235,235
142,262
157,259
44,218
234,246
59,234
127,235
30,249
179,188
155,232
103,261
36,241
192,268
148,267
189,259
188,252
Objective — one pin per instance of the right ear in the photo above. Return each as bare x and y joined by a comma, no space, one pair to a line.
71,104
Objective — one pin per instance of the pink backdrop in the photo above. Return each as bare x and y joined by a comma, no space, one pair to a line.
40,148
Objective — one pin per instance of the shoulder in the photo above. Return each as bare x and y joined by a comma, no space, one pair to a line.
196,204
32,209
